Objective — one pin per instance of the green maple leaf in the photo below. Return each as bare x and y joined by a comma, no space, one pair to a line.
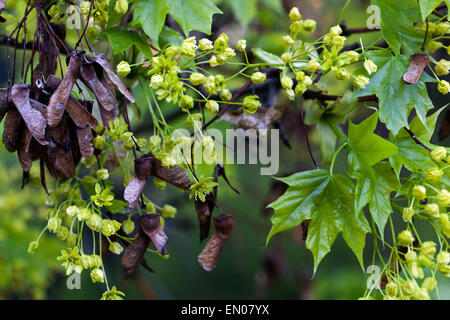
375,189
190,14
121,40
397,24
365,145
327,200
396,98
410,154
427,6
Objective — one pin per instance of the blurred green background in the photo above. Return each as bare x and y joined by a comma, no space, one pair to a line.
246,269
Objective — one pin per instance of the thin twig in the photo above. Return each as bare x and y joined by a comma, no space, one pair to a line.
306,134
416,140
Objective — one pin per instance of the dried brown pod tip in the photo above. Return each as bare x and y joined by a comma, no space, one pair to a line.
419,61
134,253
223,226
151,226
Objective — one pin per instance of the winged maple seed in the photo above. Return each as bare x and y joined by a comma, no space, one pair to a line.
61,95
151,226
260,120
419,61
223,226
147,165
204,214
33,118
12,128
134,253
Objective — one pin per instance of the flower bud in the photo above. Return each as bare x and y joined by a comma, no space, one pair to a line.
342,74
205,44
411,256
442,28
212,106
419,192
97,275
312,66
186,103
428,248
160,183
286,82
33,246
169,211
443,257
226,95
294,14
405,238
53,224
442,67
443,198
416,270
409,287
128,226
172,51
72,211
84,214
123,69
425,261
149,206
71,239
286,57
444,87
438,154
309,25
296,26
115,247
432,209
241,45
429,283
155,142
408,213
94,222
370,66
102,174
336,30
433,175
210,85
251,104
99,142
361,81
62,233
391,289
197,78
444,269
188,47
85,7
156,81
121,6
213,61
421,294
110,227
258,77
288,40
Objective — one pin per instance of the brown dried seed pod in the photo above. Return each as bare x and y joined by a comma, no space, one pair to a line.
134,253
204,213
84,138
12,127
59,158
419,61
77,112
223,226
101,60
22,152
133,192
174,175
260,120
61,95
105,96
4,105
143,166
34,119
151,226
